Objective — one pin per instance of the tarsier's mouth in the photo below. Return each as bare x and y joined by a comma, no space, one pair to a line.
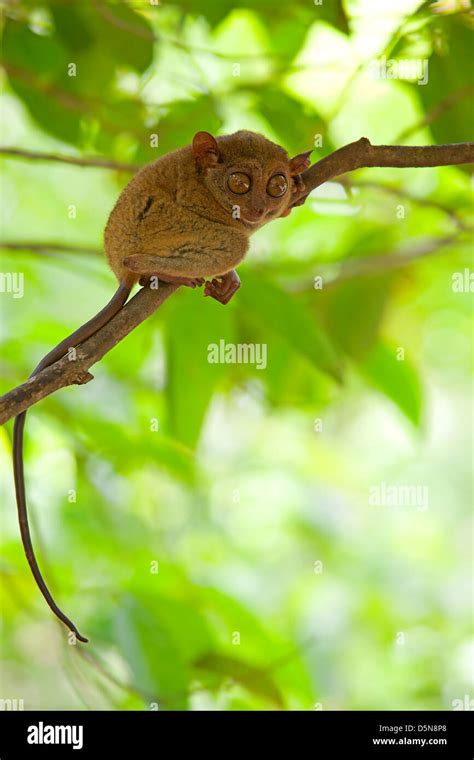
253,222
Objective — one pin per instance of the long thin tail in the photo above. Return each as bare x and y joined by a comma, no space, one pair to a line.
76,338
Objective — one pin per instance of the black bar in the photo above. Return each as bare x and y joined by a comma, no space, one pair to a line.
318,734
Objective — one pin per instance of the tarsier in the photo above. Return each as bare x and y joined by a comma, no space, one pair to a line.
184,219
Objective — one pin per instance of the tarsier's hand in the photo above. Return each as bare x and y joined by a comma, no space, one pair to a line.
298,187
222,288
299,184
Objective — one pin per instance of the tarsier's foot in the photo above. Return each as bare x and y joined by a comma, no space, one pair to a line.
190,282
223,288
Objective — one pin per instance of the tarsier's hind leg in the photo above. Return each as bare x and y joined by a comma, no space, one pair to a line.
221,288
178,267
187,259
153,266
186,263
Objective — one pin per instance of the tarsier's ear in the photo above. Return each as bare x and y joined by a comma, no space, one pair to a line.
300,162
205,150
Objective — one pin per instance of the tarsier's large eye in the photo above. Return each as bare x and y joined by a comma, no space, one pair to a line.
277,185
239,183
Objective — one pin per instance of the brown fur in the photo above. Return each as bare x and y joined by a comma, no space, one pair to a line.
177,216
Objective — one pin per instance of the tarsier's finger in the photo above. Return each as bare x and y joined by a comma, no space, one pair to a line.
213,293
214,287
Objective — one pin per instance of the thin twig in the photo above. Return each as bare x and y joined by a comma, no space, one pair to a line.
35,247
101,163
111,18
379,264
434,113
95,662
403,194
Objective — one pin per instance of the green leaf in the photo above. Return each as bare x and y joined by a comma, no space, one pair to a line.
254,679
397,379
176,127
151,653
72,27
450,71
194,323
34,63
124,37
353,312
97,40
185,626
281,313
295,125
142,445
127,35
270,11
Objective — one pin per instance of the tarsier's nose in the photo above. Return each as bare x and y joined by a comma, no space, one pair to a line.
256,214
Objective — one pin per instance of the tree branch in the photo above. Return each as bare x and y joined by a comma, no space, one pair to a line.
356,155
67,372
35,247
362,154
380,264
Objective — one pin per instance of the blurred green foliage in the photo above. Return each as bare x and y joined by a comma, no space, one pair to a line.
208,526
